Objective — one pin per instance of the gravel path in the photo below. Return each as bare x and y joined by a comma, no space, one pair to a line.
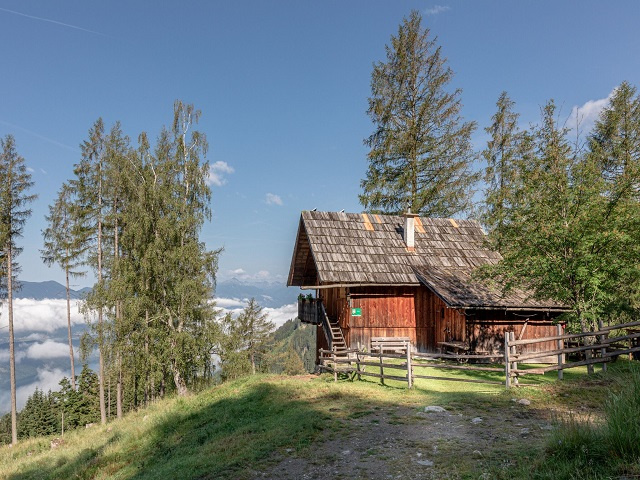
407,443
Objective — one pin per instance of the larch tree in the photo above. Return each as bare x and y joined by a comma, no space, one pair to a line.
15,182
614,145
508,150
253,329
560,240
65,245
89,186
420,152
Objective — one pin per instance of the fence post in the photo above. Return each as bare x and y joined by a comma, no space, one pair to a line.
409,373
603,350
381,369
560,345
588,354
507,361
335,364
512,338
358,365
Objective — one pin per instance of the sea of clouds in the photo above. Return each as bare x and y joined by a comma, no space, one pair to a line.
42,351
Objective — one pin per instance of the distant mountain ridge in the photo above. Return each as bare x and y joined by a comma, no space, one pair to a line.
268,294
49,289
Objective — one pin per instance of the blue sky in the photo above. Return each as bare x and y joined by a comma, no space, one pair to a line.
283,88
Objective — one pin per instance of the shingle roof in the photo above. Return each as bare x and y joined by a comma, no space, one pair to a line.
350,248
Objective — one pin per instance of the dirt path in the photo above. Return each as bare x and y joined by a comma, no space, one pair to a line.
407,443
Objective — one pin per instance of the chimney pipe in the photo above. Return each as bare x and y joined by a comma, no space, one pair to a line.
409,230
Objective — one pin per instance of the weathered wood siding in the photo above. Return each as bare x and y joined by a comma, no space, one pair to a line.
418,313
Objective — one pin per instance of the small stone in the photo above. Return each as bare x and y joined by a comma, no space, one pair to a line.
477,453
144,419
346,452
289,450
524,431
524,401
109,429
434,409
56,442
418,454
476,420
546,426
425,463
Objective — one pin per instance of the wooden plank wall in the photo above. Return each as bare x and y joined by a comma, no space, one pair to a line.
418,313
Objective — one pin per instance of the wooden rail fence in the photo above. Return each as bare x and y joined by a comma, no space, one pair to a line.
596,347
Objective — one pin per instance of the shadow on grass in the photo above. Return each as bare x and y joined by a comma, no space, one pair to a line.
236,429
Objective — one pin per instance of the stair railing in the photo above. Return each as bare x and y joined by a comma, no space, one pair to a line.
326,326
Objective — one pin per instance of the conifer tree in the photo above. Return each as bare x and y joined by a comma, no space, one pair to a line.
507,152
89,185
15,181
421,150
253,329
65,244
564,239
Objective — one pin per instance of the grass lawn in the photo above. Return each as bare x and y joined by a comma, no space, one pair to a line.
243,427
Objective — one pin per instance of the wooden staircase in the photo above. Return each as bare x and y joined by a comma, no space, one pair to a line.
336,340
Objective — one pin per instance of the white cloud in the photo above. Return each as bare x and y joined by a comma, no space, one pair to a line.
230,303
237,271
217,173
282,314
586,115
277,315
273,199
436,9
46,379
41,315
4,355
47,350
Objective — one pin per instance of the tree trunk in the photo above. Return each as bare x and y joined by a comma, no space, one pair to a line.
73,371
12,357
103,411
181,385
119,388
253,363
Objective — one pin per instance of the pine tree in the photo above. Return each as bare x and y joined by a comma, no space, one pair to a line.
421,150
65,244
15,181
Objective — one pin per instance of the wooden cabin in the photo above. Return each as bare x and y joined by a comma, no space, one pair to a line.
407,276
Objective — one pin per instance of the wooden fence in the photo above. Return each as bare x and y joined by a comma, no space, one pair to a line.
589,349
595,348
356,362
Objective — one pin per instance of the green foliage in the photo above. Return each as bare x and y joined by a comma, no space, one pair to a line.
244,342
16,181
294,348
37,417
561,231
599,450
421,151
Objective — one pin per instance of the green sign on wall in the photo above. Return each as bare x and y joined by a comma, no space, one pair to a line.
356,312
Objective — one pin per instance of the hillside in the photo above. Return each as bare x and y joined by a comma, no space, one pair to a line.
311,427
